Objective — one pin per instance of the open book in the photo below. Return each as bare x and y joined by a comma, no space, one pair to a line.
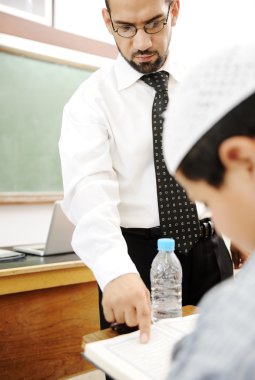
125,358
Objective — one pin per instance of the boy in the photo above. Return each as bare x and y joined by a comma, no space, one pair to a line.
216,165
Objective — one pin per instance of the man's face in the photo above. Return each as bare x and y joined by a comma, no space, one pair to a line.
144,52
232,205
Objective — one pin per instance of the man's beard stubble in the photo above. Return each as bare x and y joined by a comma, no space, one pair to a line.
145,67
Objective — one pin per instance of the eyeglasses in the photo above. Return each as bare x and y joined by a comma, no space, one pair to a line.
153,27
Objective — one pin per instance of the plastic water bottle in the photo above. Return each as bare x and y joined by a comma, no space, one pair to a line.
166,282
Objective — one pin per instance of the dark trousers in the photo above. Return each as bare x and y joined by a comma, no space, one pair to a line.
207,264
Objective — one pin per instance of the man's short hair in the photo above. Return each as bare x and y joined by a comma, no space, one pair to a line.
108,5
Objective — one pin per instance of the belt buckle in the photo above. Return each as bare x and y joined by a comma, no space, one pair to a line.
206,228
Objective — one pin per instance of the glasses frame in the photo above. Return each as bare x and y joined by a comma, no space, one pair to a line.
144,27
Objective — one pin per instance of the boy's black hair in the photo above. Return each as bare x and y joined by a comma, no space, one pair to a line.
203,162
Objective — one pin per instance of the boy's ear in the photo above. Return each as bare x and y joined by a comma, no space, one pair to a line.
238,151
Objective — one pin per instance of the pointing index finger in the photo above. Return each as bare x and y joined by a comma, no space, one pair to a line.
144,320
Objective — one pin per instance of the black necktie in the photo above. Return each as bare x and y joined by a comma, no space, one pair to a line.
177,214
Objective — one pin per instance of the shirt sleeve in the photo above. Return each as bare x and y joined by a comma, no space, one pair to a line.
91,191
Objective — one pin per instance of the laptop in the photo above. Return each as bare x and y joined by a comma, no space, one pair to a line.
58,239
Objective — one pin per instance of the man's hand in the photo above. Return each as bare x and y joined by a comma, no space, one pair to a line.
239,257
127,300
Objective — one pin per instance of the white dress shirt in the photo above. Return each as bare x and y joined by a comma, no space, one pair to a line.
106,152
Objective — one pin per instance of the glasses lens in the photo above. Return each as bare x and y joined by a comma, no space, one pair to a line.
126,31
154,27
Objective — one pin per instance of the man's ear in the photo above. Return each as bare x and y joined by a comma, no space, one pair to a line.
175,7
107,20
238,151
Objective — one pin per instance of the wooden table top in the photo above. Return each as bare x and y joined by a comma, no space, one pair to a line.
34,272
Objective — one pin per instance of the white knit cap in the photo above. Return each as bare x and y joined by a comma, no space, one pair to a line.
208,92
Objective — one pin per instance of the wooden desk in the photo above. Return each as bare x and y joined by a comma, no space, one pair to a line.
109,333
46,306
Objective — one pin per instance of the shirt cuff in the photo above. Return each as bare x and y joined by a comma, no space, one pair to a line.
112,265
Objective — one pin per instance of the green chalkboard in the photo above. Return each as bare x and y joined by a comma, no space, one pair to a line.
32,96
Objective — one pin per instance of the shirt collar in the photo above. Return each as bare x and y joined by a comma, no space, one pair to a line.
127,76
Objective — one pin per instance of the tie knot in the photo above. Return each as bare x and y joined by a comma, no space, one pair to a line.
158,80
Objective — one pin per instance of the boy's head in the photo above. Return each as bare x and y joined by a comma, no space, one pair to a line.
209,140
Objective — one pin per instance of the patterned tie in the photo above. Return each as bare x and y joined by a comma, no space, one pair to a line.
177,214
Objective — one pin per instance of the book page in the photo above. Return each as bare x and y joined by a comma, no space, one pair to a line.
182,324
127,358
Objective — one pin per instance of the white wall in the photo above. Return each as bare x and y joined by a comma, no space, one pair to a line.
82,17
205,25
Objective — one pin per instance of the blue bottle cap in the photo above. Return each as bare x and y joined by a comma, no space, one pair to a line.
166,244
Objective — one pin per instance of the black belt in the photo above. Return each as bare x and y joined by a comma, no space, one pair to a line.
146,233
206,230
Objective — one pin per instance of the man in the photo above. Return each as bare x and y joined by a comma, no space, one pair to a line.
217,167
110,191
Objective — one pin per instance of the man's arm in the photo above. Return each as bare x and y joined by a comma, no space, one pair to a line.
91,201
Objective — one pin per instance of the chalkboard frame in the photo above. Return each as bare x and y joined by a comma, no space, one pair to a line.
40,51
